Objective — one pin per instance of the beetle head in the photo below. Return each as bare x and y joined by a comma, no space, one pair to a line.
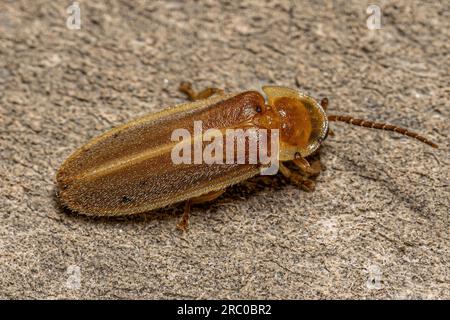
303,122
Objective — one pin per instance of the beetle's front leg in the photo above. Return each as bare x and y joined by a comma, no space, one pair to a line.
296,178
324,104
184,222
305,167
186,88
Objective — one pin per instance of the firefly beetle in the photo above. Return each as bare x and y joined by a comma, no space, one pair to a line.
129,169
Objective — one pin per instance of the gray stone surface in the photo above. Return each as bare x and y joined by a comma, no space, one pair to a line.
376,227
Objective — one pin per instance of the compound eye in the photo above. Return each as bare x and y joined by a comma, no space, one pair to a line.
262,108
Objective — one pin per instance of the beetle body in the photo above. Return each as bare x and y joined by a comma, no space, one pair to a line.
130,169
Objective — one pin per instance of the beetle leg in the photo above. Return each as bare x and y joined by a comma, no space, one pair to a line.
296,178
304,166
324,103
184,222
208,197
186,88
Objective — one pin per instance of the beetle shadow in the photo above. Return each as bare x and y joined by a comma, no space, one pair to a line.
417,204
240,192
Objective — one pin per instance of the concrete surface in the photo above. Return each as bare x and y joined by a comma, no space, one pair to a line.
376,227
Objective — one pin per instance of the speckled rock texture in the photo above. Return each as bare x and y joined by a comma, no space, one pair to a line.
377,225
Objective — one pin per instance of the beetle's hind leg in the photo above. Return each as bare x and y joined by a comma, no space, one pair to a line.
305,183
186,88
184,222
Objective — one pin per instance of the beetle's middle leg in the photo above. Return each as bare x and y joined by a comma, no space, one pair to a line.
296,178
184,222
186,88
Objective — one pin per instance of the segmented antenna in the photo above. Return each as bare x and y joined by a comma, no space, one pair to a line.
380,126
